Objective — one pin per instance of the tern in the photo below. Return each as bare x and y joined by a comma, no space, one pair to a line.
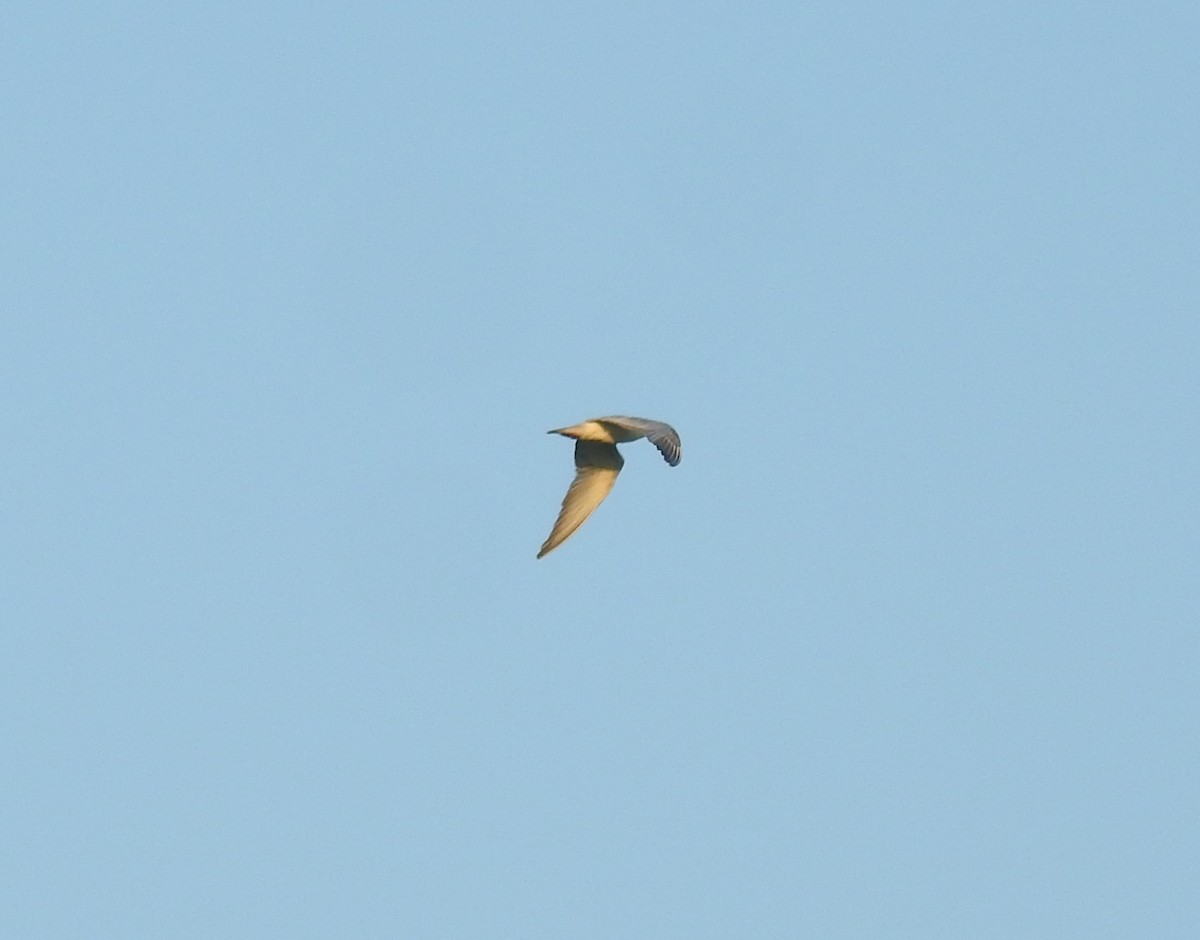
597,463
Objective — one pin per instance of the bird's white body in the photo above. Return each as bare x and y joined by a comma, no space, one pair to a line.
597,463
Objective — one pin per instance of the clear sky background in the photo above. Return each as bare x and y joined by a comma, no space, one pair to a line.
905,647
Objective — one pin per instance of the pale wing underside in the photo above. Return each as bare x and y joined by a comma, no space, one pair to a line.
662,436
597,466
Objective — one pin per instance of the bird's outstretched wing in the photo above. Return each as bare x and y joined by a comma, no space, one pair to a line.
596,469
661,435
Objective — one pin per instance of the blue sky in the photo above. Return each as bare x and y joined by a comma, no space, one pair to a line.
905,647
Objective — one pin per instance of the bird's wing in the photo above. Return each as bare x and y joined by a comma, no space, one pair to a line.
596,469
662,436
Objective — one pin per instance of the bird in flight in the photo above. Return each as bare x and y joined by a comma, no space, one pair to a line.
597,463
